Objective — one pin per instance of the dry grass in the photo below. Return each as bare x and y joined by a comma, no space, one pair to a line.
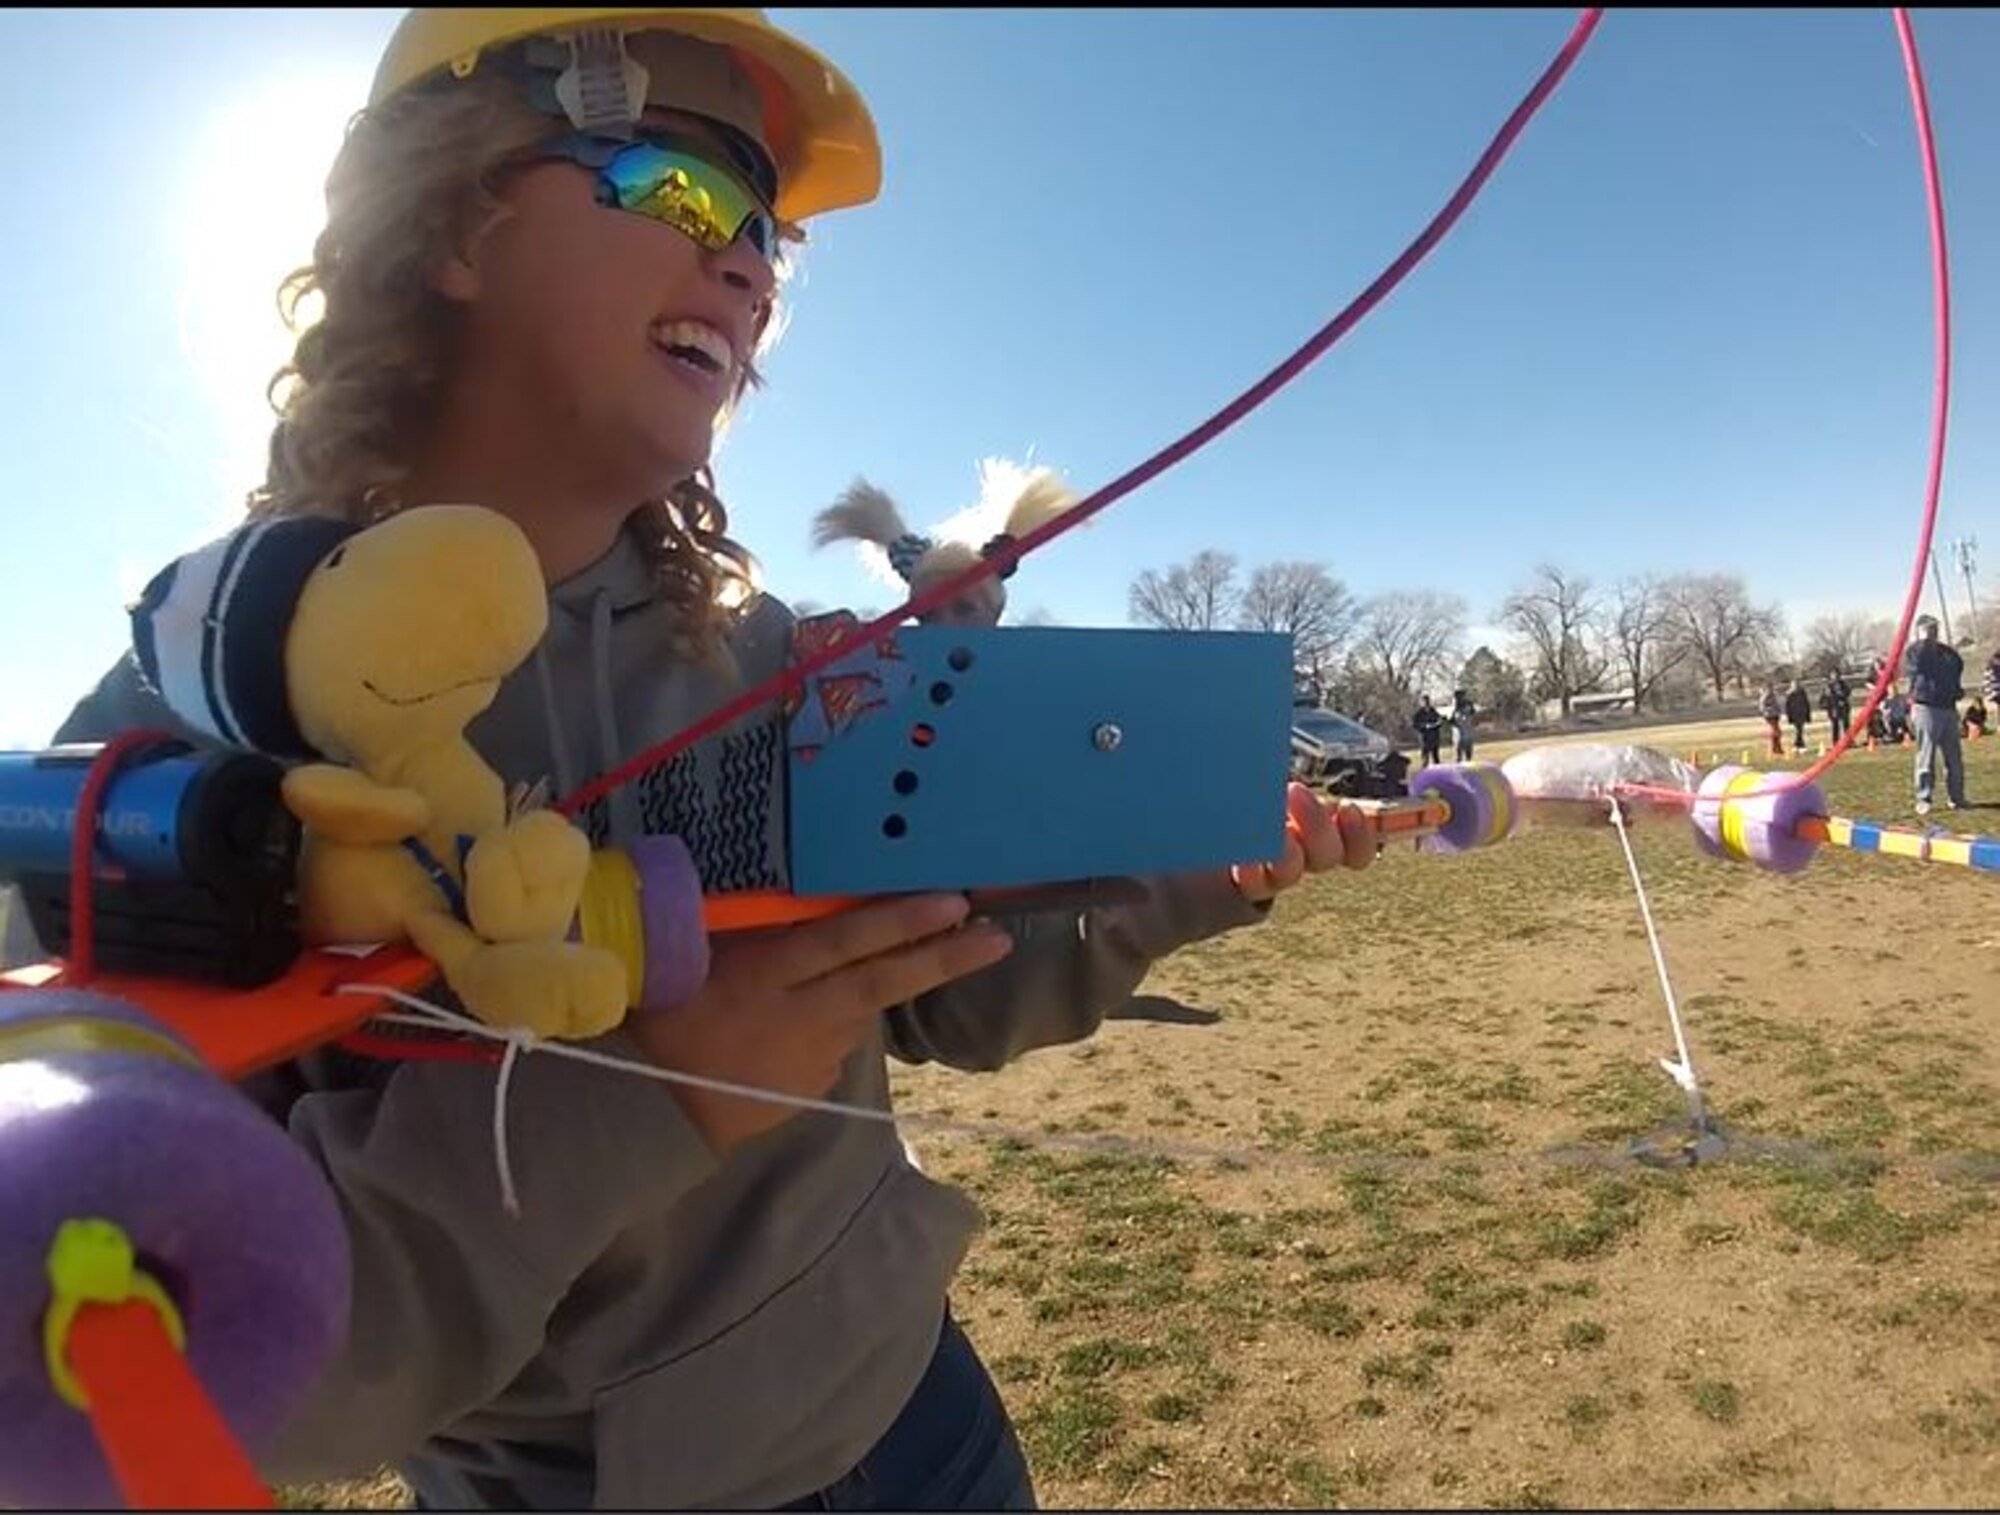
1422,1270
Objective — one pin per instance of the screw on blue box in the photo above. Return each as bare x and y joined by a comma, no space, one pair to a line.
1007,757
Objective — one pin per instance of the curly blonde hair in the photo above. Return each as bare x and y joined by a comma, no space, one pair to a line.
368,370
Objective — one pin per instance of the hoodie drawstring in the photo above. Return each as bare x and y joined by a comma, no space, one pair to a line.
625,829
565,775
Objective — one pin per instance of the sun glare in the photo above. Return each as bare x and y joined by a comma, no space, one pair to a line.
255,202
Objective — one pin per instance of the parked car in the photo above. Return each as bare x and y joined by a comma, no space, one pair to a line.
1342,756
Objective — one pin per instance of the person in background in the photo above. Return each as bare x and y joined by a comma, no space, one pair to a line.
1836,701
1973,723
1430,727
1463,715
1798,710
1772,710
1895,716
1936,673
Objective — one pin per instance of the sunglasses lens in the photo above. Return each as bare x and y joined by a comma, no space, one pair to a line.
690,194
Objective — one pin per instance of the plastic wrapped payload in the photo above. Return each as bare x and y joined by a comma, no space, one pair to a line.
1572,784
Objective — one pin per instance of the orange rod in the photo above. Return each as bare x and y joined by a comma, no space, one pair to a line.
167,1444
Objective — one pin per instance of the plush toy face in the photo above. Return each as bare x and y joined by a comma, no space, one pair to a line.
403,634
981,605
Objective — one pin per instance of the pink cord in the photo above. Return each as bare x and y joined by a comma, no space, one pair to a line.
780,685
1941,284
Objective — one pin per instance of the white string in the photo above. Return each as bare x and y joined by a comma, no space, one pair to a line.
422,1012
520,1042
1680,1070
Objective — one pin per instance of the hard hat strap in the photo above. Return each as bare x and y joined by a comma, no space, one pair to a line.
601,89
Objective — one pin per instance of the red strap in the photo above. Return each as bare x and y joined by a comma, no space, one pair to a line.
83,848
167,1445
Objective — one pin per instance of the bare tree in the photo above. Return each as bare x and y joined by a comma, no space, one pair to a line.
1198,595
1641,628
1845,639
1715,620
1305,601
1555,615
1366,694
1407,638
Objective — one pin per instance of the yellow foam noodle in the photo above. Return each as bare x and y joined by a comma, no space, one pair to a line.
1905,844
1733,819
1952,849
608,914
1503,805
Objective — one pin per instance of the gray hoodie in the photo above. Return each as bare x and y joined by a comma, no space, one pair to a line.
657,1328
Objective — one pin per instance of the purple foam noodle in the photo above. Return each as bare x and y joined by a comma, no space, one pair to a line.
231,1218
1706,810
1481,801
1751,817
670,906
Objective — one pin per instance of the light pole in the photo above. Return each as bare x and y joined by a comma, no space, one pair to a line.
1944,607
1963,549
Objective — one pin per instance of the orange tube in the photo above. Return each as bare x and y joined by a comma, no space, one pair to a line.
1394,818
753,909
167,1445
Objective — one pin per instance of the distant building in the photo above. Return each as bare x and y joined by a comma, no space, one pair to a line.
1586,706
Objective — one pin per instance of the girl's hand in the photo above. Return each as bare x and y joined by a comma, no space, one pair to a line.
783,1009
1318,835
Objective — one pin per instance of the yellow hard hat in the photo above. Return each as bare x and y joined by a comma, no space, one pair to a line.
816,124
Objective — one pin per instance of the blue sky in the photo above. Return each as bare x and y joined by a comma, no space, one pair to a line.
1686,327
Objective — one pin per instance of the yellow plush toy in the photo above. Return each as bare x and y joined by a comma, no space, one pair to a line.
367,652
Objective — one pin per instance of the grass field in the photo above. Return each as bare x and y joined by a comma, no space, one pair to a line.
1420,1268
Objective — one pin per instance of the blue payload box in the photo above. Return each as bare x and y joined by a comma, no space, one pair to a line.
955,758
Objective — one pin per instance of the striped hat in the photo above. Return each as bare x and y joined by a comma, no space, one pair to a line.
209,630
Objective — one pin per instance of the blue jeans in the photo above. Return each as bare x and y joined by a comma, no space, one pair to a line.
1937,736
953,1447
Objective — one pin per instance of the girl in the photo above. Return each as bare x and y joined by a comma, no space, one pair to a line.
549,257
866,514
1773,711
1464,718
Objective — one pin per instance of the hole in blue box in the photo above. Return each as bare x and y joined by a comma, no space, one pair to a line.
905,782
960,659
894,826
922,734
940,693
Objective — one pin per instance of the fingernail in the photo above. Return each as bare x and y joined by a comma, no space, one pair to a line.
938,911
994,941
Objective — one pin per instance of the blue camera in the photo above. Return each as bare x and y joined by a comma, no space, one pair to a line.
192,868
